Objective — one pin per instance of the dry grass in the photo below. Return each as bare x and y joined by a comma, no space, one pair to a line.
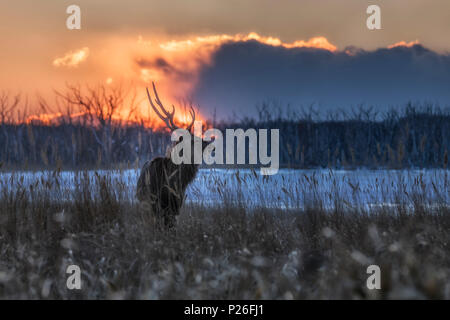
228,252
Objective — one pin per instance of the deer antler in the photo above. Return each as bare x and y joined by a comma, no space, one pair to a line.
168,116
192,112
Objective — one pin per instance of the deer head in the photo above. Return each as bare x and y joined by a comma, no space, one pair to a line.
167,117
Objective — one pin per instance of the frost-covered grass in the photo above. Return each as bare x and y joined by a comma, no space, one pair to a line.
289,189
299,234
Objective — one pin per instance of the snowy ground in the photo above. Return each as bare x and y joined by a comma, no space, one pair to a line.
287,189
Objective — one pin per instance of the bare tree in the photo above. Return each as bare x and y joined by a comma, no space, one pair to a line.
102,106
7,105
162,184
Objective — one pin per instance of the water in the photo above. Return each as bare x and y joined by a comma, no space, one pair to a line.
287,189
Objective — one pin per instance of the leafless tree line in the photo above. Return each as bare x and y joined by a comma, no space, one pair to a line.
90,133
83,125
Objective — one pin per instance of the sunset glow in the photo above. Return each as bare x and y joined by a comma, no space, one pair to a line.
177,47
403,44
122,117
173,64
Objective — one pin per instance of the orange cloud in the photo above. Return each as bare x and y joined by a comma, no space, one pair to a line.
403,44
217,40
72,58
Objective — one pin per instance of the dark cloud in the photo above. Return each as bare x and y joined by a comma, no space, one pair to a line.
245,73
163,65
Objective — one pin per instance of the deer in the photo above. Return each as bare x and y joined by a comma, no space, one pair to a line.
162,184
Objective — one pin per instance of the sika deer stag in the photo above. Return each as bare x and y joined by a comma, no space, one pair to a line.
162,184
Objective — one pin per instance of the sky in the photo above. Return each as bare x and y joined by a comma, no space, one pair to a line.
229,55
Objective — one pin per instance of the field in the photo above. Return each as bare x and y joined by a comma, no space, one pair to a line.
301,234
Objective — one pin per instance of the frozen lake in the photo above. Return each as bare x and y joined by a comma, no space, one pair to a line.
287,189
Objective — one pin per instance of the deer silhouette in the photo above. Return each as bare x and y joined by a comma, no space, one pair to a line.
162,184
